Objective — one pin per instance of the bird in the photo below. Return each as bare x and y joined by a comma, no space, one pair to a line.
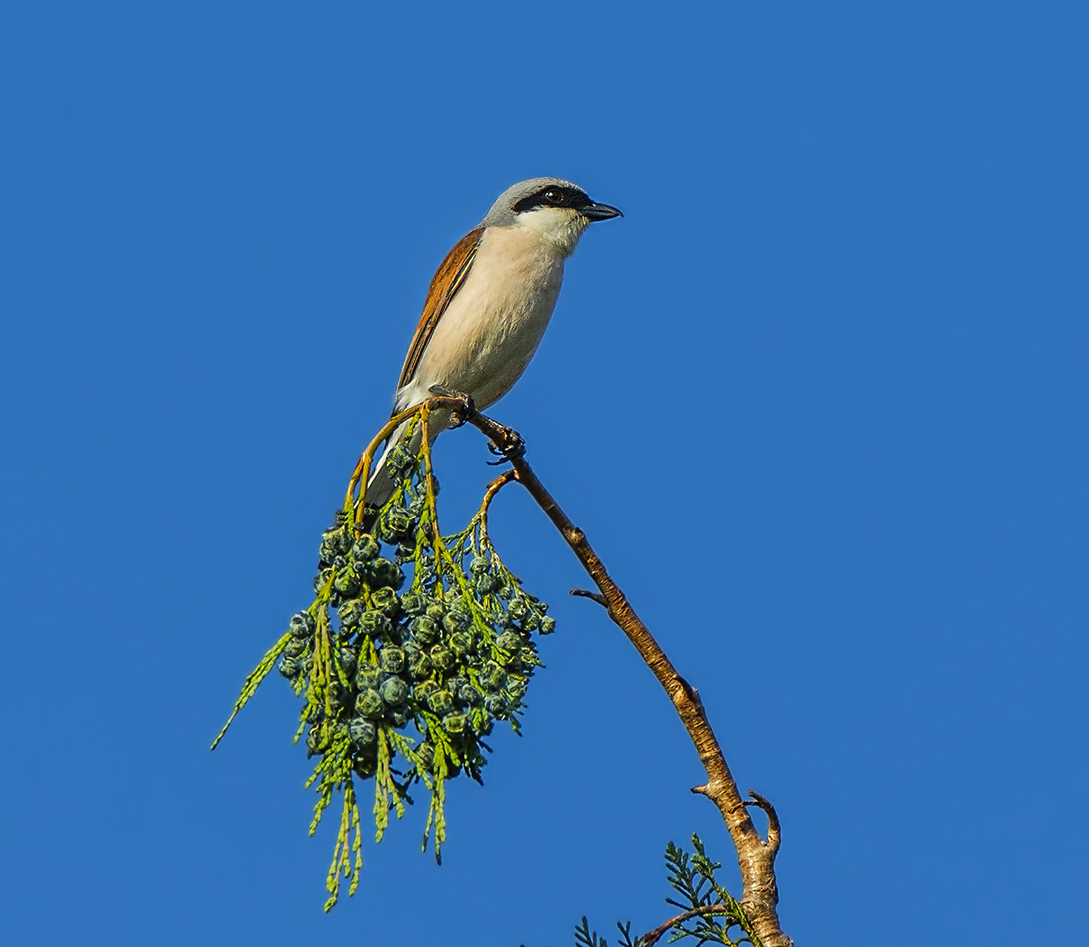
488,306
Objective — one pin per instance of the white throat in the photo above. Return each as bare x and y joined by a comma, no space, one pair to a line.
560,227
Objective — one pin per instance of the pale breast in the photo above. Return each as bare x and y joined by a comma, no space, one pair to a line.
489,332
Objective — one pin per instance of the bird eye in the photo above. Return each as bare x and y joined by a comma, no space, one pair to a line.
553,196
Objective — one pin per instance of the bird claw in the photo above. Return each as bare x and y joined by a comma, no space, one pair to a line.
513,447
508,446
464,411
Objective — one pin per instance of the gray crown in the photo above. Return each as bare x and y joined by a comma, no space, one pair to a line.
502,213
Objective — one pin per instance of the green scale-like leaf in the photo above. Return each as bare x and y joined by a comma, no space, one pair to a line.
413,647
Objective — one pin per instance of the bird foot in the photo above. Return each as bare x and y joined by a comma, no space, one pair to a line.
464,411
509,446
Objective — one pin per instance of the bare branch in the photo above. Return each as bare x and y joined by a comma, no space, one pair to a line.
507,476
756,858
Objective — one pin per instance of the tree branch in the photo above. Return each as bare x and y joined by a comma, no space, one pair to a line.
756,858
652,937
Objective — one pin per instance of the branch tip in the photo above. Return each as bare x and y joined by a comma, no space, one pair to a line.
596,596
774,829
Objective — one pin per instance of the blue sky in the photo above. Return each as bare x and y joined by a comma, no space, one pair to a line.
818,400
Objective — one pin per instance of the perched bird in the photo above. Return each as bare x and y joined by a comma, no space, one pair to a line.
490,302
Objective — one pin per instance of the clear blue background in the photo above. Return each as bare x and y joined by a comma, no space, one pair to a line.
819,400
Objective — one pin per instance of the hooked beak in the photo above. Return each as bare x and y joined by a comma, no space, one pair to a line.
600,211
